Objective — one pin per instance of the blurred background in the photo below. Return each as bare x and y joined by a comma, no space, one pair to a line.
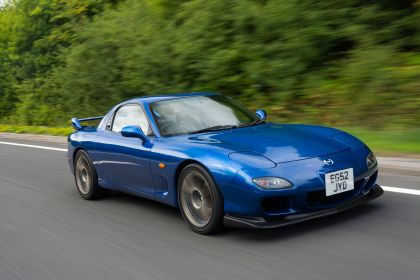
351,64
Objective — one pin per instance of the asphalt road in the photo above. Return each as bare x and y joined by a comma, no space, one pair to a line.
48,232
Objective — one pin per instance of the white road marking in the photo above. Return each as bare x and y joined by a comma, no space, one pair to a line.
34,146
401,190
386,188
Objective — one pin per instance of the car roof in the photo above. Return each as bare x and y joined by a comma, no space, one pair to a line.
151,99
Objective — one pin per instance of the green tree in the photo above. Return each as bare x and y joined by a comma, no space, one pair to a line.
333,61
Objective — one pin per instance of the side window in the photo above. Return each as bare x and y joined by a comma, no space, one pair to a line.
131,115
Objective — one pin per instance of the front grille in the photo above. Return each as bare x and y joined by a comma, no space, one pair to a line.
319,199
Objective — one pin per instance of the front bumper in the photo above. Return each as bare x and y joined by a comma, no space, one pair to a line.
265,223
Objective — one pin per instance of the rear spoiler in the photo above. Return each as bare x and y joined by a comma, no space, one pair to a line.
76,122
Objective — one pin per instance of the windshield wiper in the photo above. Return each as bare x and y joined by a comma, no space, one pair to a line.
254,122
214,128
223,127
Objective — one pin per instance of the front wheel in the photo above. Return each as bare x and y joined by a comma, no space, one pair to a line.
86,178
200,200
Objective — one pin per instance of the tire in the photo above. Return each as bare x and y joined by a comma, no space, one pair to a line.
86,178
200,200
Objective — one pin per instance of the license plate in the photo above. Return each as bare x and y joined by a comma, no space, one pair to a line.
339,181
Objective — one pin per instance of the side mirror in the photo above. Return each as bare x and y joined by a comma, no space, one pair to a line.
134,131
261,114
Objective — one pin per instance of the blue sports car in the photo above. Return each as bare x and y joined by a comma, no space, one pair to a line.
220,163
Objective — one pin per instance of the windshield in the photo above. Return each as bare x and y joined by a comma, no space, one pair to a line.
195,114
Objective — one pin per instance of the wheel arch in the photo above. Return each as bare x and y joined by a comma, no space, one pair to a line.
76,150
181,167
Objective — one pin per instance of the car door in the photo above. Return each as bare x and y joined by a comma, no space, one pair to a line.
124,163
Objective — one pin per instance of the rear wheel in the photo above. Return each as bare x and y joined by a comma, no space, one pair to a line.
200,200
86,178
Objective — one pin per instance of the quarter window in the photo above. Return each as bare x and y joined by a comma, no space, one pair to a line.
131,115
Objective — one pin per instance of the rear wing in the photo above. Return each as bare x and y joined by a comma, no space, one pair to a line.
76,122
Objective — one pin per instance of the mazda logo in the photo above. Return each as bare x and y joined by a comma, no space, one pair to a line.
328,161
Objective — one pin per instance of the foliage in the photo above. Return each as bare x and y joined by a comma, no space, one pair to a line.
336,62
33,38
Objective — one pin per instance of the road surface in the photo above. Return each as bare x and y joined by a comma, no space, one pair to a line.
48,232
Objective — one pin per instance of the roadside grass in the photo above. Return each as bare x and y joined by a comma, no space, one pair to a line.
388,141
385,141
57,131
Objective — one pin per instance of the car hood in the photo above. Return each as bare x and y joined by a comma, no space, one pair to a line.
279,143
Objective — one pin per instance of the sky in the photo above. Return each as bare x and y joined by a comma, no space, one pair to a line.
3,2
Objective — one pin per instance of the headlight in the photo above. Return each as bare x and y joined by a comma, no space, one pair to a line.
272,183
371,160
